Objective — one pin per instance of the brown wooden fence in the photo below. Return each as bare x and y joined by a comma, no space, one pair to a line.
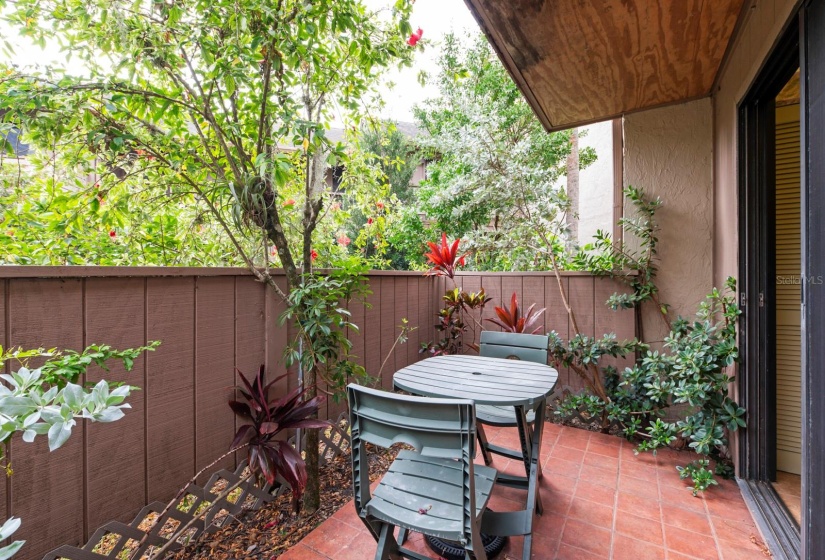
209,321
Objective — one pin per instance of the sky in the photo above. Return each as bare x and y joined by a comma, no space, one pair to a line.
400,90
436,18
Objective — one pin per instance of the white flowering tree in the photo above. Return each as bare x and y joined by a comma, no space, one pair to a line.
494,174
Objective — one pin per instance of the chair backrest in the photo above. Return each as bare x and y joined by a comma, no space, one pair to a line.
443,428
434,427
515,346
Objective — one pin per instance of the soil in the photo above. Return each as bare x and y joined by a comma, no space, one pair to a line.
269,532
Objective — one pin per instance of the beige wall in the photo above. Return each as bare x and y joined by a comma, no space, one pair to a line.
761,28
669,154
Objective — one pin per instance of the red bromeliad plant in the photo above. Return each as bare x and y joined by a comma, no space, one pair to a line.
511,320
268,417
444,259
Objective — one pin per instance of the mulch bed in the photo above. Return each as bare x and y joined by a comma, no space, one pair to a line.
269,532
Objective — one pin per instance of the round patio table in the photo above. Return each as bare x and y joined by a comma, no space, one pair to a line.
499,382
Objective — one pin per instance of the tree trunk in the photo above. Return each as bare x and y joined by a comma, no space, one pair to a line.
573,191
315,185
312,492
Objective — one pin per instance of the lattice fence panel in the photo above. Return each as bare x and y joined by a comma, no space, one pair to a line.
333,442
116,541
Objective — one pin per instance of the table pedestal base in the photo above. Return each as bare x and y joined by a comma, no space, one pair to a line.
454,551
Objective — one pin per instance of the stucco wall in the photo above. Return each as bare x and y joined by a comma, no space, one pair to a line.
761,28
669,153
763,24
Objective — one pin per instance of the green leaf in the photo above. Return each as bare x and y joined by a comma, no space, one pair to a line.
59,434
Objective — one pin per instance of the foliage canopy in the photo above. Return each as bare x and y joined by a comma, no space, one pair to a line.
494,170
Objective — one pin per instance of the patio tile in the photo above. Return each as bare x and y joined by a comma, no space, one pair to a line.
591,512
594,459
729,552
569,552
671,555
626,548
686,519
607,439
595,492
681,497
555,483
640,469
586,536
549,526
563,467
602,448
638,505
567,453
638,485
301,552
606,477
600,501
639,528
573,441
331,537
690,543
348,515
544,548
735,531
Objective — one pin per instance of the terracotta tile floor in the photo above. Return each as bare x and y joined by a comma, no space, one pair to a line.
600,502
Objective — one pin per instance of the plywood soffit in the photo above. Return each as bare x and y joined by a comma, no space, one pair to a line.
582,61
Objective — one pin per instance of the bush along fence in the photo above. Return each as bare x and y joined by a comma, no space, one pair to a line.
209,322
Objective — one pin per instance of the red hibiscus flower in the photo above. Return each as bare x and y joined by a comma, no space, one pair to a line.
379,205
369,222
112,234
415,37
343,240
289,203
314,254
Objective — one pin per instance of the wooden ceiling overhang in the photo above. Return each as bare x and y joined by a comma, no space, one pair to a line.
584,61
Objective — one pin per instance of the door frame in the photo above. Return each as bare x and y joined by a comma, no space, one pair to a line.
812,103
757,288
804,42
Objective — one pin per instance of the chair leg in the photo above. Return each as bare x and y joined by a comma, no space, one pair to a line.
387,546
478,545
482,443
402,536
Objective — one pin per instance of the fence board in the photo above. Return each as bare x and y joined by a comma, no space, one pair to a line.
387,318
556,318
372,329
169,387
620,322
48,313
472,284
510,285
401,307
492,286
6,484
115,463
214,354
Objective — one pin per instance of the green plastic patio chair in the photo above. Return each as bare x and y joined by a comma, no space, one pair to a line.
514,346
436,489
